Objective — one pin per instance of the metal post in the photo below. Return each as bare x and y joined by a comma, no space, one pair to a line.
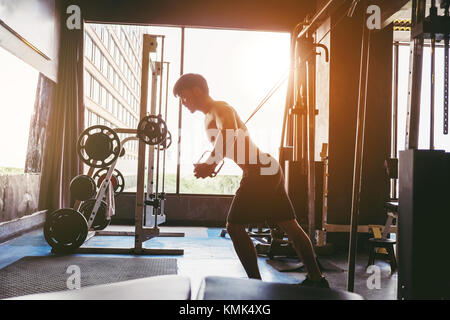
151,150
433,14
289,92
165,120
311,112
159,73
324,158
446,58
394,148
415,79
433,47
180,113
395,102
304,133
138,238
359,151
298,109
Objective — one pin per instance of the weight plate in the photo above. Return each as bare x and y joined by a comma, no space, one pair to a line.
82,187
65,230
117,179
122,153
152,129
98,146
100,221
165,144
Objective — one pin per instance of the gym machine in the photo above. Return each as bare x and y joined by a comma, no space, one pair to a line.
99,147
297,157
424,175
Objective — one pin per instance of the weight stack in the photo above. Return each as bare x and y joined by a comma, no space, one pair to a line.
423,225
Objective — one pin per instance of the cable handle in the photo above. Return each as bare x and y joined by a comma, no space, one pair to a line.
216,171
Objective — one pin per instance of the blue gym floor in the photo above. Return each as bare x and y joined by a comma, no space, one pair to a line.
206,253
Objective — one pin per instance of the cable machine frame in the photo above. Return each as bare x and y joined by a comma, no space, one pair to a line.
141,233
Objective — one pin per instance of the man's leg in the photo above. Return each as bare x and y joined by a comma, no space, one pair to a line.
303,247
245,249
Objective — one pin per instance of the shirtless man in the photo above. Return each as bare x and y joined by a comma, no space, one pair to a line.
261,196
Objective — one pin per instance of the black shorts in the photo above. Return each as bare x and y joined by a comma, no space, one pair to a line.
261,199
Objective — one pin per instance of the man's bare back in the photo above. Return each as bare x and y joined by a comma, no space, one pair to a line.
221,114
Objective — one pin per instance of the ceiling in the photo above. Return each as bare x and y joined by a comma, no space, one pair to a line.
405,14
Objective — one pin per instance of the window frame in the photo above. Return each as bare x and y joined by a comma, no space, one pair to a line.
113,105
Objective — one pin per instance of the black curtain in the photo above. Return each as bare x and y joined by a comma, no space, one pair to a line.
66,120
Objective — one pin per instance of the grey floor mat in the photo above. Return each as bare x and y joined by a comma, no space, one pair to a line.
31,275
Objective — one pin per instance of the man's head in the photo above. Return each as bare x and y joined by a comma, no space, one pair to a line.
193,91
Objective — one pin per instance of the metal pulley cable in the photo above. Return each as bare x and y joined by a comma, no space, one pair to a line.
283,79
268,96
260,105
165,119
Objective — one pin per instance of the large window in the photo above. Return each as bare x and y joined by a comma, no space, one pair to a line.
18,82
441,141
241,67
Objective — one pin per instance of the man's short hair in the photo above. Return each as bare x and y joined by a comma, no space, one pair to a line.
188,81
